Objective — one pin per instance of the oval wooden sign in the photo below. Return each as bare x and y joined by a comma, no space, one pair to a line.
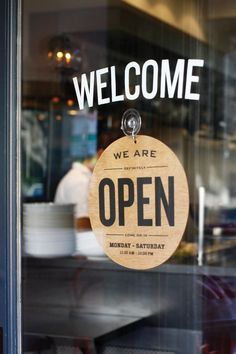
139,202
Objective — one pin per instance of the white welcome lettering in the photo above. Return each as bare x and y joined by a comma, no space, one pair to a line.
166,79
85,88
192,78
136,67
147,78
114,96
153,93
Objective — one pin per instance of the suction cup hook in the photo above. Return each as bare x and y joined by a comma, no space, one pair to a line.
131,123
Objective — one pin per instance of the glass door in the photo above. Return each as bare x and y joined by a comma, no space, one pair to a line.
84,63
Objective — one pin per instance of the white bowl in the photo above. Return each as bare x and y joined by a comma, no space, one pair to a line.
87,245
51,207
41,223
49,237
49,249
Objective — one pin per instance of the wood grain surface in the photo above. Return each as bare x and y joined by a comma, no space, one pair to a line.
139,202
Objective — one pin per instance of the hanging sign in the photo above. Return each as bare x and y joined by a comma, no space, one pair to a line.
139,202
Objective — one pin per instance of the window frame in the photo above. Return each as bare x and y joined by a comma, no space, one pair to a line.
10,245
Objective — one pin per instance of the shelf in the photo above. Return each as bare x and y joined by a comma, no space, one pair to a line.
61,323
105,264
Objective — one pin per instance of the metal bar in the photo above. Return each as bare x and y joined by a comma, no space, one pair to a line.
201,216
10,248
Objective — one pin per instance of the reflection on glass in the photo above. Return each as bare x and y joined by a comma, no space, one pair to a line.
72,303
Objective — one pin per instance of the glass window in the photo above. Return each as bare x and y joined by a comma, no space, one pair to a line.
75,299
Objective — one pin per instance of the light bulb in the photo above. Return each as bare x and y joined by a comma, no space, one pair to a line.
68,56
60,55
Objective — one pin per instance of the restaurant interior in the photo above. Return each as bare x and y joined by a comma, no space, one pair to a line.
75,299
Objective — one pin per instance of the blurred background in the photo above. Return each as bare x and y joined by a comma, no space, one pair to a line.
76,300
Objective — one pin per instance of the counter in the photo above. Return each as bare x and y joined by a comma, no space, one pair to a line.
76,299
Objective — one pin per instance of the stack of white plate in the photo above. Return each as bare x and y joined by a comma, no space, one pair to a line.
48,229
